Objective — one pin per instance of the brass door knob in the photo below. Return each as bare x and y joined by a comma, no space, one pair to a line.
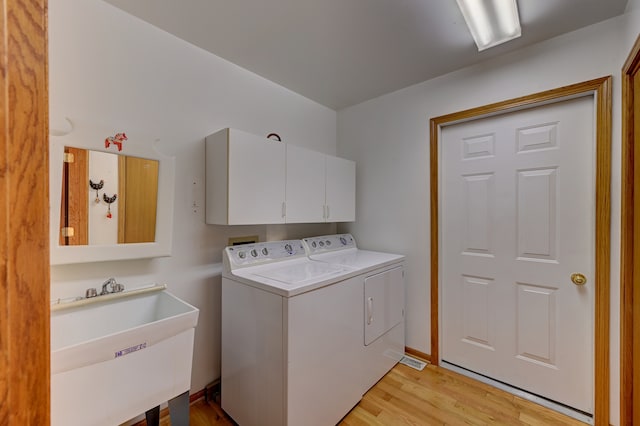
578,279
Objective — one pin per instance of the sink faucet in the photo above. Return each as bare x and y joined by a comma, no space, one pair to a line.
111,286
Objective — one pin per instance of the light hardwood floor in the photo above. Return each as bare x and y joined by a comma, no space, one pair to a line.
434,396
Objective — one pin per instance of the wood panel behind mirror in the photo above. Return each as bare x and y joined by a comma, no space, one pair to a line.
138,185
74,201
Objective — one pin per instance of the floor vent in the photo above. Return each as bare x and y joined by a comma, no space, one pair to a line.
412,362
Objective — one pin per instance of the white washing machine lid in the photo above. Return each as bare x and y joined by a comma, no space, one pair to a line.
280,267
292,277
341,249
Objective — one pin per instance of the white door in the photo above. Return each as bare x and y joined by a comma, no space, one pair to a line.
518,215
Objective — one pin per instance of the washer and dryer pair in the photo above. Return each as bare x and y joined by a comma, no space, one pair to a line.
308,326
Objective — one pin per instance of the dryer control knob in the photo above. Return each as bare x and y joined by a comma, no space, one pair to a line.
254,253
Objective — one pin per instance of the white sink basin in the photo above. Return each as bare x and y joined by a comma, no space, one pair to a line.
116,358
94,333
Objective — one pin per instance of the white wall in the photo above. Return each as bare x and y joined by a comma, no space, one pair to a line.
388,137
111,68
631,28
102,229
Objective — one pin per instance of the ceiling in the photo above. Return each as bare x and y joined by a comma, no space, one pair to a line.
343,52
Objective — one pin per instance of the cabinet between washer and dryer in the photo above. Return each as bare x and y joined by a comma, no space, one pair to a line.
309,358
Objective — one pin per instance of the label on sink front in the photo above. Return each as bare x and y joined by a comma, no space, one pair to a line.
130,349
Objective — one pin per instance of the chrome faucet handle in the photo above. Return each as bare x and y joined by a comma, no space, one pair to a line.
117,287
91,292
110,282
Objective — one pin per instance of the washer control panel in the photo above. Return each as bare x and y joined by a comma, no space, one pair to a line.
255,253
326,243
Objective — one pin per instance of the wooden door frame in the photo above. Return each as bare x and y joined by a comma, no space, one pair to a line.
629,246
601,89
24,221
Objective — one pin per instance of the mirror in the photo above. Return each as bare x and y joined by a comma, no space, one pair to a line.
107,198
115,197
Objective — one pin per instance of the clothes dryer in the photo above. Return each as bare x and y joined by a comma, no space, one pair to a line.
382,278
341,249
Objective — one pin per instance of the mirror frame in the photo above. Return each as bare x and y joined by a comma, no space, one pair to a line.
93,138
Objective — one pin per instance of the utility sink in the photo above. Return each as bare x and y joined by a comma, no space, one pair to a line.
109,329
115,358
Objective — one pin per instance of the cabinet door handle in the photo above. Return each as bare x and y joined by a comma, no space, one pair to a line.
284,209
369,310
328,212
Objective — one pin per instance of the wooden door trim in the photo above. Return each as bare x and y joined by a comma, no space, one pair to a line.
24,221
601,88
629,247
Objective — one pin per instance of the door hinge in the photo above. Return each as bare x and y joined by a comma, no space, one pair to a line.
67,231
68,157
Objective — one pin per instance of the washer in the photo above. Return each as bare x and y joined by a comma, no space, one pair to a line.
382,278
292,346
280,267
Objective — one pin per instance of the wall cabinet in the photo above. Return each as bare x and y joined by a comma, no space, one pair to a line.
320,187
245,179
254,180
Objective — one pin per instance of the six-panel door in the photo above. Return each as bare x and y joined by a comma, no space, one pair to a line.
517,200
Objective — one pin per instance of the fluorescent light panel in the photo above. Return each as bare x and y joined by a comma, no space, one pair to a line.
491,22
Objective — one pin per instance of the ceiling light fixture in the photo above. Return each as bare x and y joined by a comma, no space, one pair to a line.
491,22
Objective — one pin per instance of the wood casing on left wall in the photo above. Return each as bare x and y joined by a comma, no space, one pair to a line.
24,221
630,244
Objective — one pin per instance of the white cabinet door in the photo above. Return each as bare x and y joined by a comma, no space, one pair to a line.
305,185
256,179
320,188
340,190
